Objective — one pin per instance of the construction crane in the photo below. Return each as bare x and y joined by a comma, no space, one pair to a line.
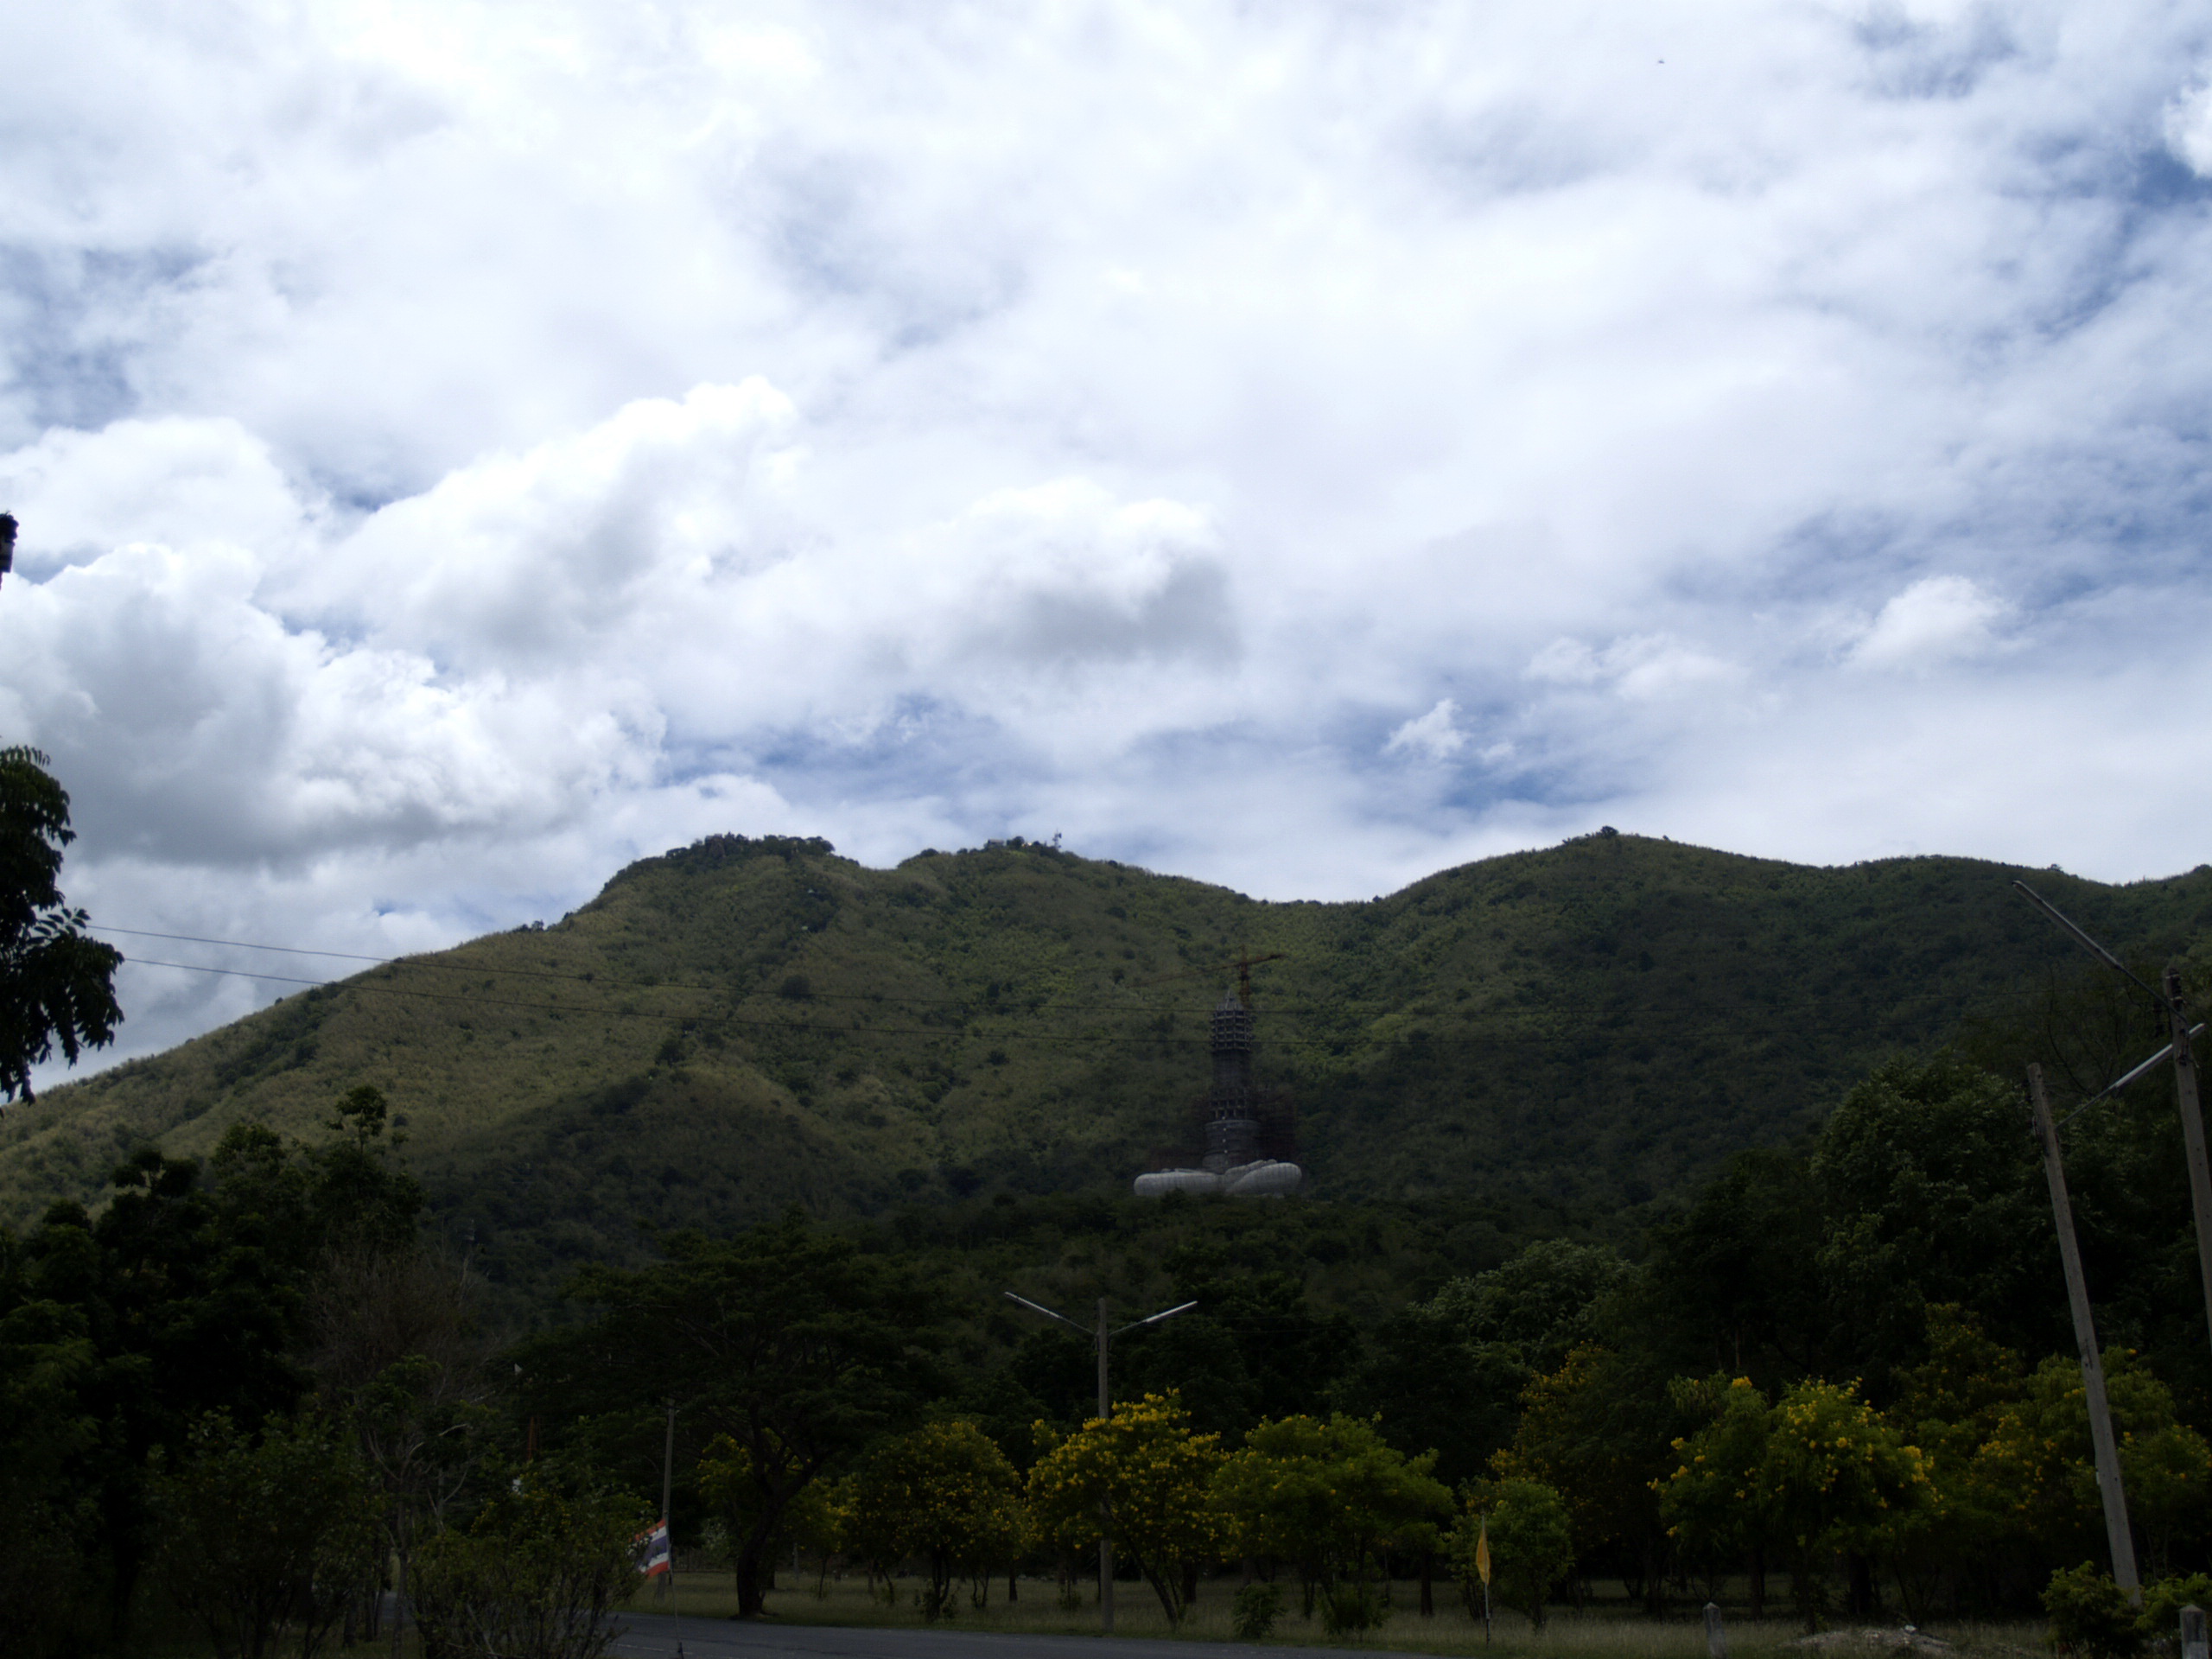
1243,962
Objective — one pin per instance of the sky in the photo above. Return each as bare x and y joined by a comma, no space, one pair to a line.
462,448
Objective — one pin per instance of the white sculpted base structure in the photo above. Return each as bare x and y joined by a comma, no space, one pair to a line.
1266,1179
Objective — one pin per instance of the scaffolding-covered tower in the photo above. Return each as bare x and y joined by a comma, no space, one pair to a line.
1251,1141
1232,1107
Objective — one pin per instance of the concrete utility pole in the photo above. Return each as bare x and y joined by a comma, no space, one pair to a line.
2192,1132
2109,1489
2180,1034
1104,1339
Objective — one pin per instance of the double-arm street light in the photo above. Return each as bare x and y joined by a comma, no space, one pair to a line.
1104,1339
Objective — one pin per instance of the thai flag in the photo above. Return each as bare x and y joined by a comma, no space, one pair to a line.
652,1550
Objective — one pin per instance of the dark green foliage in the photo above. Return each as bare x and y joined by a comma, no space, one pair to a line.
2090,1615
1352,1607
785,1338
1418,1378
46,1435
1253,1616
1530,1542
1737,1275
188,1294
538,1575
2164,1599
264,1539
1448,1374
56,985
1933,1191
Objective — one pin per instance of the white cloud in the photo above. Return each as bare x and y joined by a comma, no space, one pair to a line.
460,448
1937,620
1435,734
1643,667
2189,129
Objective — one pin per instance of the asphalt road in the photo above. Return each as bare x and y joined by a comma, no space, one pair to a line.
659,1637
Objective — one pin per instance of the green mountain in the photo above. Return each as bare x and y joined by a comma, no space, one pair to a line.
740,1024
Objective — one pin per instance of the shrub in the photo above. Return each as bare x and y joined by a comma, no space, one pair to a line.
2164,1600
2090,1615
1530,1542
1257,1607
264,1542
1351,1607
538,1576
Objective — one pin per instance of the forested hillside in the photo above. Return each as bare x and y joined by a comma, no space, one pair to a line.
739,1024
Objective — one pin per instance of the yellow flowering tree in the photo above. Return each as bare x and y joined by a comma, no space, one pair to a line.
945,1494
1714,1504
1151,1473
2037,1460
1835,1475
1952,1405
1329,1498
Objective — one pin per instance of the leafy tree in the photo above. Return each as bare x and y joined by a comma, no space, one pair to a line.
56,985
785,1338
188,1294
1952,1405
1539,1305
943,1492
1933,1193
538,1574
1514,1324
397,1362
2038,1463
1598,1431
48,1365
1835,1476
1143,1474
1287,1354
1734,1284
1428,1389
2090,1615
1329,1497
1713,1502
1531,1542
264,1540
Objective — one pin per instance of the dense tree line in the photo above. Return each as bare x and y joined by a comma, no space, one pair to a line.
1845,1364
1842,1364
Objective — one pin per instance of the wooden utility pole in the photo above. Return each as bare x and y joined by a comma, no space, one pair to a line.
2192,1134
2109,1489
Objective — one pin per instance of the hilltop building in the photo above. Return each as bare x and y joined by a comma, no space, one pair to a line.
1248,1139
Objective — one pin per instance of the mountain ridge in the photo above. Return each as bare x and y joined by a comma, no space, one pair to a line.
743,1023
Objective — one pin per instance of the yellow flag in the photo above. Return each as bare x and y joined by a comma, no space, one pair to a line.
1482,1551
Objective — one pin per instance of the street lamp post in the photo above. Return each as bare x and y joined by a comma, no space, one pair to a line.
1104,1337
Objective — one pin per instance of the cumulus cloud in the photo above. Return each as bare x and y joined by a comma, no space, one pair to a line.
2189,129
1435,734
458,449
1936,620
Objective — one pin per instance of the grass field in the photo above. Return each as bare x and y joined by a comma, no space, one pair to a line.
1611,1630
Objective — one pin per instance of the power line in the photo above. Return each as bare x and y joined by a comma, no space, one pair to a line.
419,960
